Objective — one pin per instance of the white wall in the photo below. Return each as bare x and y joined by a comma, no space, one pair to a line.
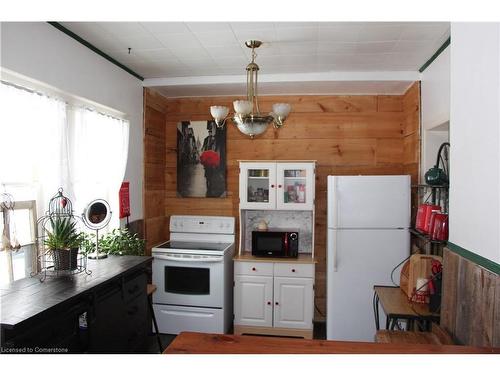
435,96
475,138
40,51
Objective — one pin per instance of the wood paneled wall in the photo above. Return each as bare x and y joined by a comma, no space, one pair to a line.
155,220
347,135
470,308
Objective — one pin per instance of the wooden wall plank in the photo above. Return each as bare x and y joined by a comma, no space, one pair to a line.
308,103
470,301
154,198
449,291
496,315
390,103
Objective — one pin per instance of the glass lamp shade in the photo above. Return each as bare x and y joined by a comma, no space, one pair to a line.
252,125
219,112
243,107
281,109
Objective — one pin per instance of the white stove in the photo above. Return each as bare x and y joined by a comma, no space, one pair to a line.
194,275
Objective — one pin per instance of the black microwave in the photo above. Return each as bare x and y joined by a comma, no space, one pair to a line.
275,243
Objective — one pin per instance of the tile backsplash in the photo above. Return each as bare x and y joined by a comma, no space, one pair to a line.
296,220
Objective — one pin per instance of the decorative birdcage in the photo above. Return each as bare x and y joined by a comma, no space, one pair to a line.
58,240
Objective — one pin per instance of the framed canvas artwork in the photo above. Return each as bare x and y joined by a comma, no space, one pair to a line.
201,159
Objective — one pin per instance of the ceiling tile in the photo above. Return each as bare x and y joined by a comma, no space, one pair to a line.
190,53
141,42
184,40
425,32
379,33
202,27
264,35
217,39
344,33
226,51
241,26
336,47
299,48
304,34
166,27
375,47
124,28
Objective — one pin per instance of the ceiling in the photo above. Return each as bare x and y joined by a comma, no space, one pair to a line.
209,58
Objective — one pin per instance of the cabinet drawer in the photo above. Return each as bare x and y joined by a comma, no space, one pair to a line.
253,268
134,286
294,270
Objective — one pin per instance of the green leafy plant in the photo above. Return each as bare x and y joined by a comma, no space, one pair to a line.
63,234
118,242
122,242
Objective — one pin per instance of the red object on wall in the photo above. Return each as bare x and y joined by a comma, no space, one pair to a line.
124,200
210,158
440,230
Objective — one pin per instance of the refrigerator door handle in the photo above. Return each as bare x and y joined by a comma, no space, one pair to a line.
334,251
331,240
332,203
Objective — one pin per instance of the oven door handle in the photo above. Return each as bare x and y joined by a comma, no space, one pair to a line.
202,260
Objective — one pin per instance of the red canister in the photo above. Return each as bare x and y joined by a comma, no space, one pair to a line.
432,221
427,219
420,220
440,230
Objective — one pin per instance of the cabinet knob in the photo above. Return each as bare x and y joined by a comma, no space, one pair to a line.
279,186
254,269
276,303
269,302
272,185
293,269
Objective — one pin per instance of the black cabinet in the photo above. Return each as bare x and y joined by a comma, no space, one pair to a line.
118,318
103,313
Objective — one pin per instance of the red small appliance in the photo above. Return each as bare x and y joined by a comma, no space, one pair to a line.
424,216
419,221
432,221
440,229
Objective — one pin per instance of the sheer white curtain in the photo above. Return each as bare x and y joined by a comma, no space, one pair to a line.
98,158
45,144
33,145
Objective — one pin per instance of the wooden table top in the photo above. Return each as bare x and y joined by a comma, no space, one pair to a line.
211,343
395,303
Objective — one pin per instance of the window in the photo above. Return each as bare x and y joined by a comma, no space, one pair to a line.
46,143
19,231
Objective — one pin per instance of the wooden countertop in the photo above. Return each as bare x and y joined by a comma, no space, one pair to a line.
27,298
248,257
395,303
209,343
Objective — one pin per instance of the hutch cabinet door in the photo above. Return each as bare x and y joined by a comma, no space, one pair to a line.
295,186
258,186
253,298
293,302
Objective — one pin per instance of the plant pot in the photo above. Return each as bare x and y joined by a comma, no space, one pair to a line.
65,259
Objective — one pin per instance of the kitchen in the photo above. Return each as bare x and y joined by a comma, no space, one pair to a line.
373,134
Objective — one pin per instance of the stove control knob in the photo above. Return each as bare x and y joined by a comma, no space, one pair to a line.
293,236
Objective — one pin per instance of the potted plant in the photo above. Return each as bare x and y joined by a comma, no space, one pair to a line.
63,241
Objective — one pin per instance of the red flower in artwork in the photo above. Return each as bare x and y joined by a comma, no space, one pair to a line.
210,158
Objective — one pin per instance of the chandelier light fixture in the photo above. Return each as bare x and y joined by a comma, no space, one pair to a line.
247,116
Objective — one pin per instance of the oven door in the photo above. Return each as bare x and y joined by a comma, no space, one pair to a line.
188,279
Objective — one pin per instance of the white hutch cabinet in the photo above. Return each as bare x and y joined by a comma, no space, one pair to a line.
275,296
277,185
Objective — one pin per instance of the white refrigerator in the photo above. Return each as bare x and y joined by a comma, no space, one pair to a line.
368,221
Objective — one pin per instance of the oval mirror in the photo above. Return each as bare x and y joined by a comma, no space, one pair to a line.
97,214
